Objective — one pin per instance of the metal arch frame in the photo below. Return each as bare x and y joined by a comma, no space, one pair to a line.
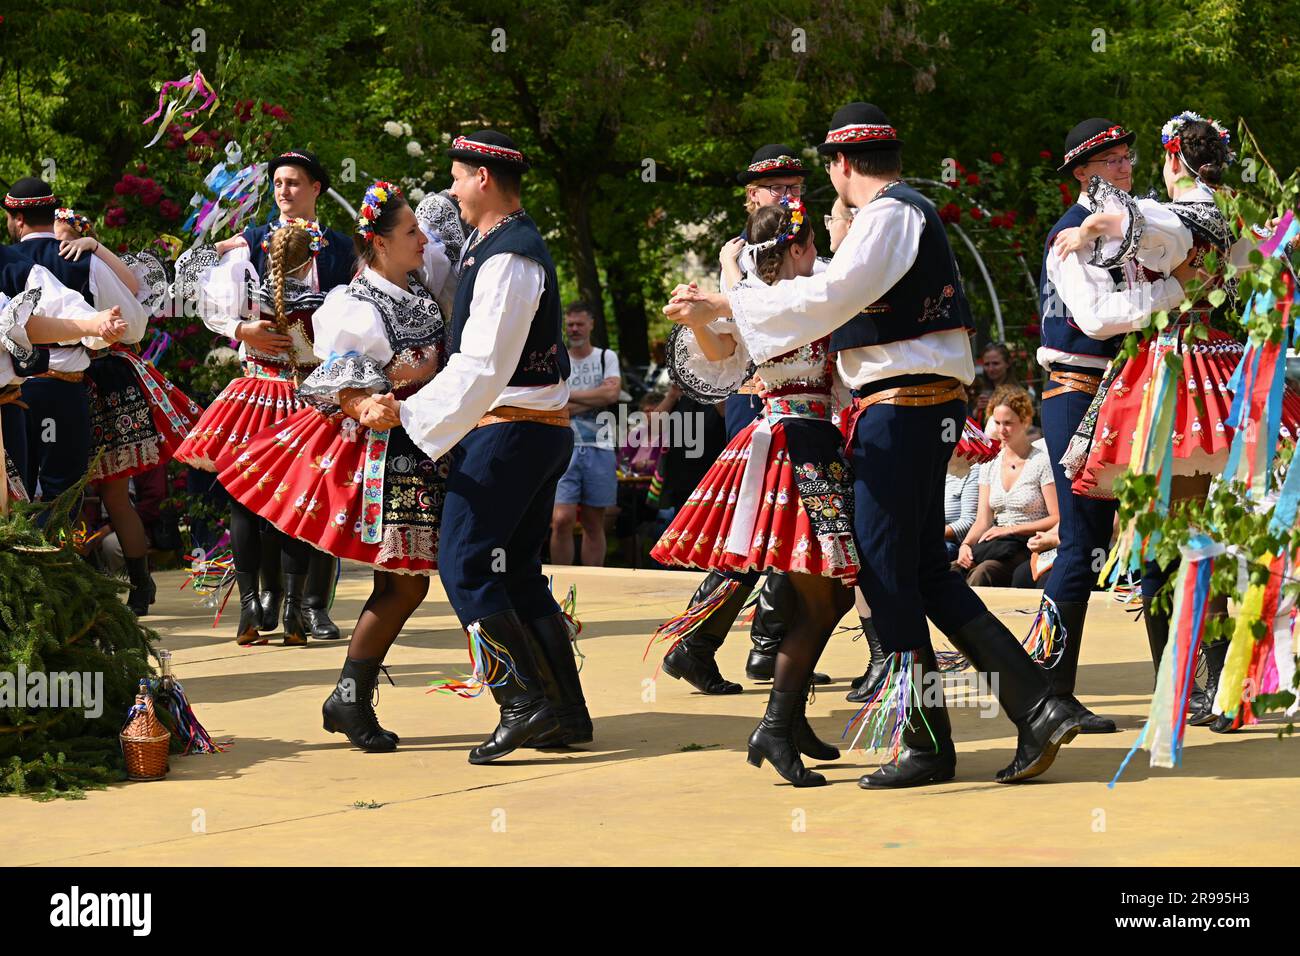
979,260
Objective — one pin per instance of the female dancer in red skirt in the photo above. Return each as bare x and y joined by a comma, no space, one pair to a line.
277,354
1163,237
324,476
137,417
780,496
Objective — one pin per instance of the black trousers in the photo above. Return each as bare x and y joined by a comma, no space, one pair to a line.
58,435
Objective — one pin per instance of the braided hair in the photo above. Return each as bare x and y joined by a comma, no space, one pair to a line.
289,250
1204,152
767,222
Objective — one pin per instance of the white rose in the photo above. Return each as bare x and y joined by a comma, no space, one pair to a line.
427,175
406,129
446,137
393,128
414,149
221,355
416,195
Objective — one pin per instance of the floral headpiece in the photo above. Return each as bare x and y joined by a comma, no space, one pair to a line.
310,226
73,218
798,213
1172,132
372,207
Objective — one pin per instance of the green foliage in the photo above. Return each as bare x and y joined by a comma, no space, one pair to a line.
57,615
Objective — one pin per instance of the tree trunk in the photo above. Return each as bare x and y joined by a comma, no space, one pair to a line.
629,308
586,273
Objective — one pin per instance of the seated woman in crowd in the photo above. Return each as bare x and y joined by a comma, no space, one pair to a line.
1017,497
961,500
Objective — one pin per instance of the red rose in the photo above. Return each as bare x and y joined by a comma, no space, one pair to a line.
1033,329
996,159
1010,216
973,179
976,213
950,213
121,247
1045,154
142,168
169,210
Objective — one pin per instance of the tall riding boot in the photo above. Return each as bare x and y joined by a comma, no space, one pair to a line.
1045,722
865,687
773,739
805,738
553,652
295,631
928,754
692,660
775,609
272,592
349,709
143,589
250,612
316,597
1063,674
1157,624
525,713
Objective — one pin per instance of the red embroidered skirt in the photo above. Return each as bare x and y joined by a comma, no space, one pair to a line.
804,520
248,405
138,418
372,497
1202,437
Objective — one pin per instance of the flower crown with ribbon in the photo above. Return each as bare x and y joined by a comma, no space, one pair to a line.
73,218
797,212
1171,134
310,226
372,207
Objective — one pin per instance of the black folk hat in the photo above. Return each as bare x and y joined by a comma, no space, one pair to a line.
774,159
304,159
489,148
859,128
1091,137
30,193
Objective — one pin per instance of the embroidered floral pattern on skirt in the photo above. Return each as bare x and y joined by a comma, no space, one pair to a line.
308,477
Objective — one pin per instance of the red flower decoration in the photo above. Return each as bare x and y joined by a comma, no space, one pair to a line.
1045,154
976,213
973,179
950,213
996,159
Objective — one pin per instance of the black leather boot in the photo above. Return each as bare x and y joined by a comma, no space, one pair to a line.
864,687
525,713
316,597
1045,723
1157,625
773,739
1200,704
561,684
272,595
692,660
1062,676
250,612
805,738
349,709
295,630
143,589
775,608
928,755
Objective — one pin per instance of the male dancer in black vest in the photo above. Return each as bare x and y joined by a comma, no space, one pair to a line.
774,171
58,408
499,407
1086,312
299,180
891,299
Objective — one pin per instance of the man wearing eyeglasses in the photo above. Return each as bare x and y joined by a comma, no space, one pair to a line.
774,172
1086,312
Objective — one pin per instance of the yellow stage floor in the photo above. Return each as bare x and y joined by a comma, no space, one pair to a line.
665,781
